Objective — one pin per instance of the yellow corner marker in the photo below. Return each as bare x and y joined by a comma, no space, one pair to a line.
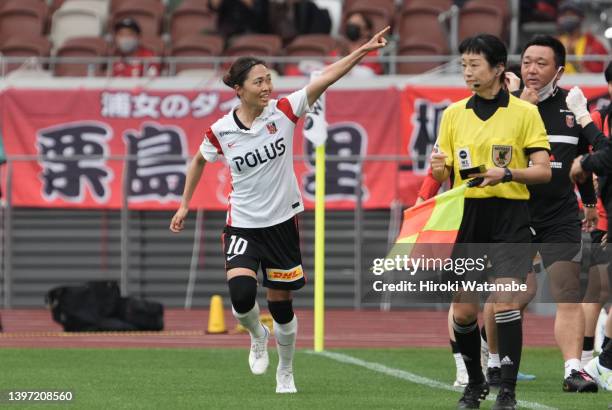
216,319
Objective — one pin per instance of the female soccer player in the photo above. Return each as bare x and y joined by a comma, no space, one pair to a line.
256,138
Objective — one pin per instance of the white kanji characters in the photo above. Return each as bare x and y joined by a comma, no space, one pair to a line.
155,176
175,106
116,104
66,178
204,104
145,105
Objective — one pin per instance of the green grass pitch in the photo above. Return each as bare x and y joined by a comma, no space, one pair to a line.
220,379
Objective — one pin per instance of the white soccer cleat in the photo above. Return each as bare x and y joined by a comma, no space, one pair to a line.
258,356
600,374
284,381
462,377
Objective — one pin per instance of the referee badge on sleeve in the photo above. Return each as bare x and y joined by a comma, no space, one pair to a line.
502,155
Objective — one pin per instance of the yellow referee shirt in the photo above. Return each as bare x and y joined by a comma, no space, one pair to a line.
503,140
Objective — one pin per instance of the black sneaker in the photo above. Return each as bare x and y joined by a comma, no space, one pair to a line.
494,376
579,381
506,400
473,394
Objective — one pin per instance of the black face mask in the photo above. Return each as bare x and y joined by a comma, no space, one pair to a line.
568,24
353,32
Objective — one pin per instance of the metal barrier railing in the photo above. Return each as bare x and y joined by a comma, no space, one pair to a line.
101,66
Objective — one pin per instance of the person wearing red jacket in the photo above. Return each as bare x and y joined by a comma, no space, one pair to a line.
577,41
132,54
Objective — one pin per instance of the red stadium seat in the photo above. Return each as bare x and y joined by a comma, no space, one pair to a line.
309,45
480,18
22,17
263,45
418,49
198,45
419,24
147,13
192,17
24,46
115,4
441,5
81,47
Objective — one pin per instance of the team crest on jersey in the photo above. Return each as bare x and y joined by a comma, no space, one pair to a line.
570,120
271,127
502,155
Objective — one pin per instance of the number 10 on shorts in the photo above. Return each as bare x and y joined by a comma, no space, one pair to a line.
237,246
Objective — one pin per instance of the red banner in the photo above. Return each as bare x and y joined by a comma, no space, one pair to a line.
152,126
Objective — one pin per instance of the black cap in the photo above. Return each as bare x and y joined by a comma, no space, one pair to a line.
571,5
127,23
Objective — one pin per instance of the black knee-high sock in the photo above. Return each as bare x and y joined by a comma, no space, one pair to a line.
605,342
509,344
483,333
454,347
468,340
605,358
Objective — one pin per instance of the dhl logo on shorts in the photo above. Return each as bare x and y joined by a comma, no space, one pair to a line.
285,275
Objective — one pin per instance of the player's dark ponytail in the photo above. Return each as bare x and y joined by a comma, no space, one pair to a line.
239,71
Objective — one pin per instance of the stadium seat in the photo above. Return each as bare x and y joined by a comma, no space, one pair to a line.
147,13
192,17
441,5
27,45
480,18
501,5
197,45
67,23
21,17
255,44
81,47
379,12
418,24
95,6
309,45
115,4
418,49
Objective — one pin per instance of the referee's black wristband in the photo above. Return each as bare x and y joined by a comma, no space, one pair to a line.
507,175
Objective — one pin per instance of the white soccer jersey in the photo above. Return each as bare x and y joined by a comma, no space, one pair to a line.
265,191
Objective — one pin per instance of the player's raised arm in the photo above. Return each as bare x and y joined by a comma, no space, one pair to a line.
335,71
193,177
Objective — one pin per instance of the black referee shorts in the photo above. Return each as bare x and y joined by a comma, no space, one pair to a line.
561,242
276,249
498,230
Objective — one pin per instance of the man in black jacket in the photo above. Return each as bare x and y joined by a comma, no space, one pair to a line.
553,206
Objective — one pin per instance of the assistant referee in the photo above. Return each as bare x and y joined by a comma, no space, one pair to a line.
504,133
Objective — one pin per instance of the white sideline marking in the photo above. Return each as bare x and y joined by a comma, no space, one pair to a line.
411,377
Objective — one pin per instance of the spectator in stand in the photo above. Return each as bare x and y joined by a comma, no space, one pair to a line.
578,42
357,30
538,10
132,54
296,17
240,16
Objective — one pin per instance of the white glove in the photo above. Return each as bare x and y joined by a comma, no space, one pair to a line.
577,103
